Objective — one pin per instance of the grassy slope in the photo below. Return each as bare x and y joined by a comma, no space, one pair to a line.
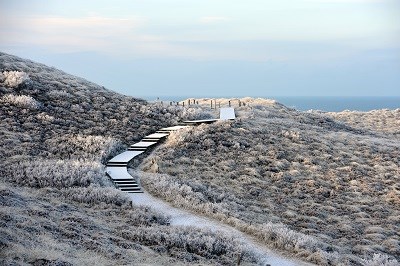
56,132
334,187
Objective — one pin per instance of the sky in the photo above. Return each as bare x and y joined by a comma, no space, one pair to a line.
213,48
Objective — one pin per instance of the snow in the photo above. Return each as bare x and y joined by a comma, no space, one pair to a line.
156,136
118,173
143,144
125,157
226,113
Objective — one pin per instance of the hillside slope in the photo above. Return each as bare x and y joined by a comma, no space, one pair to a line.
57,206
300,181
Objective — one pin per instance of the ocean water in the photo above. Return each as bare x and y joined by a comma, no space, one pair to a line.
337,104
328,104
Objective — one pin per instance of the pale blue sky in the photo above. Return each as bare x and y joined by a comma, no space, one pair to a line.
214,47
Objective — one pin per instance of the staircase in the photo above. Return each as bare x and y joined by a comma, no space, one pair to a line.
117,167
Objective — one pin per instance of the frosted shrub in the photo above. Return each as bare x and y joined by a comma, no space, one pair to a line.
54,173
13,79
195,114
206,243
93,195
58,94
98,148
283,237
45,117
111,148
380,260
22,101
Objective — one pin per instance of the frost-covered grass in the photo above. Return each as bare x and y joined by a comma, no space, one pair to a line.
321,188
13,79
20,101
57,206
387,121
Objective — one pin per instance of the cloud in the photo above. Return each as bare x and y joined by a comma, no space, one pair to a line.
72,34
209,20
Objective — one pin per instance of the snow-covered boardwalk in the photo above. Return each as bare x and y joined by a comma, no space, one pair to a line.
117,167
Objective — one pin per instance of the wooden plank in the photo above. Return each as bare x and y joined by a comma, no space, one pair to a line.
119,173
143,144
227,113
125,157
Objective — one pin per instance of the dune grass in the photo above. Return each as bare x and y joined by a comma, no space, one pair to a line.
303,182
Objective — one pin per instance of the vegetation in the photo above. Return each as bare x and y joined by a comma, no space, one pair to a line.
57,205
326,190
322,186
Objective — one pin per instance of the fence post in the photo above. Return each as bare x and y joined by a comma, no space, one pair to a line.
211,104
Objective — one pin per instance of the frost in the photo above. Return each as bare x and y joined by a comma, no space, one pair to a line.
22,101
13,79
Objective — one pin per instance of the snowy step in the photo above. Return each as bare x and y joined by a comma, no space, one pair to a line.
227,113
128,185
143,144
130,189
174,128
136,191
136,149
155,137
125,181
125,157
117,164
118,173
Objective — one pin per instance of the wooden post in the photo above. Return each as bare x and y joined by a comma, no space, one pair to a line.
240,104
211,104
183,104
229,103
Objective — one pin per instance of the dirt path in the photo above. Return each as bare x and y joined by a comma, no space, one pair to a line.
186,218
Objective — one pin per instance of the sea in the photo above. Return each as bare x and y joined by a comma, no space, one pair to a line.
327,104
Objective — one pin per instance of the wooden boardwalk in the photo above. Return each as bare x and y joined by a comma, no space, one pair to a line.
117,167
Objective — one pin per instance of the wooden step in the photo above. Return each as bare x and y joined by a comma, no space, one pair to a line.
130,189
135,191
125,181
128,185
136,149
117,164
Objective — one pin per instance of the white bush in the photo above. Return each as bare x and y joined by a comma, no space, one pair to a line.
93,195
22,101
380,260
13,79
54,173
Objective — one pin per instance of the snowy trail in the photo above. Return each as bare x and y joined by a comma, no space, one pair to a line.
185,218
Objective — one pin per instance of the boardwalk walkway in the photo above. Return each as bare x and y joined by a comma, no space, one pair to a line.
117,167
